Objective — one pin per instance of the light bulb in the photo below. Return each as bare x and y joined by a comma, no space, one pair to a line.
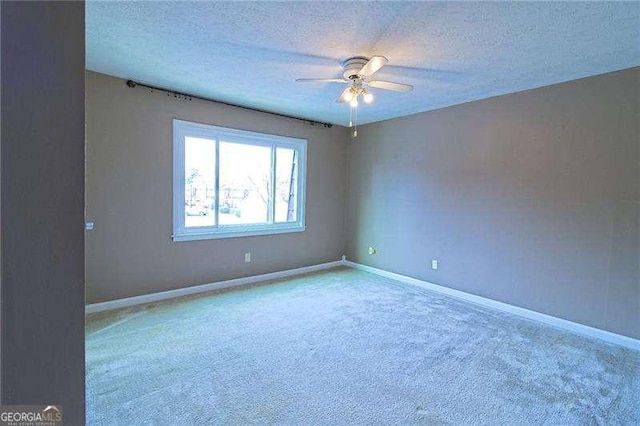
348,96
354,102
368,97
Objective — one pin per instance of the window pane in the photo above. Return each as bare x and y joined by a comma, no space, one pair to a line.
286,185
199,190
245,173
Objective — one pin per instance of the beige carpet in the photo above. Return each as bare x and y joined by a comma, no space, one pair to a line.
348,347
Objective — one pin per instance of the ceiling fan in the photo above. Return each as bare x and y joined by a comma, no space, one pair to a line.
358,73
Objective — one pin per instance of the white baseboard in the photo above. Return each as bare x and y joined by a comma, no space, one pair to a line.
171,294
581,329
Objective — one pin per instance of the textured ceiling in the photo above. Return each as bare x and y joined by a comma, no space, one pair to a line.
250,53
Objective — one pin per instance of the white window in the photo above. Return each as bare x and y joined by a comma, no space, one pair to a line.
235,183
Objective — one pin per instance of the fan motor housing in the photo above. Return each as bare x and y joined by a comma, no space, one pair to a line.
352,67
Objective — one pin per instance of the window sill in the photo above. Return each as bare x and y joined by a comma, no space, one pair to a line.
215,235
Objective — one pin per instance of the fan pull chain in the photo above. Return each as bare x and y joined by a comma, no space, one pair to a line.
350,116
355,121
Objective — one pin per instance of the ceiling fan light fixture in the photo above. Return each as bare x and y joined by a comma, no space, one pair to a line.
357,74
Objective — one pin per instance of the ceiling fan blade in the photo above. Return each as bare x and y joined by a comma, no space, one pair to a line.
388,85
341,99
321,80
374,64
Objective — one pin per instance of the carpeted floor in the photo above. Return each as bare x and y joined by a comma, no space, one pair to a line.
348,347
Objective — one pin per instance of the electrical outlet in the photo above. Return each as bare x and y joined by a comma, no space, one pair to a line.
434,264
372,250
247,257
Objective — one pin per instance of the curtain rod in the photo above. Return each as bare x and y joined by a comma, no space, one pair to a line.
133,84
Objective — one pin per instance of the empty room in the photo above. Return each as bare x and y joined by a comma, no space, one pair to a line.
328,212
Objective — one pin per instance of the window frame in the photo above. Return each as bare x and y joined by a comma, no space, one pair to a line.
183,129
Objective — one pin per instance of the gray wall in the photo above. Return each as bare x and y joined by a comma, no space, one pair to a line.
530,199
43,205
129,196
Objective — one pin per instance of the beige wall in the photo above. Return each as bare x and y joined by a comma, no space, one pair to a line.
530,198
129,195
